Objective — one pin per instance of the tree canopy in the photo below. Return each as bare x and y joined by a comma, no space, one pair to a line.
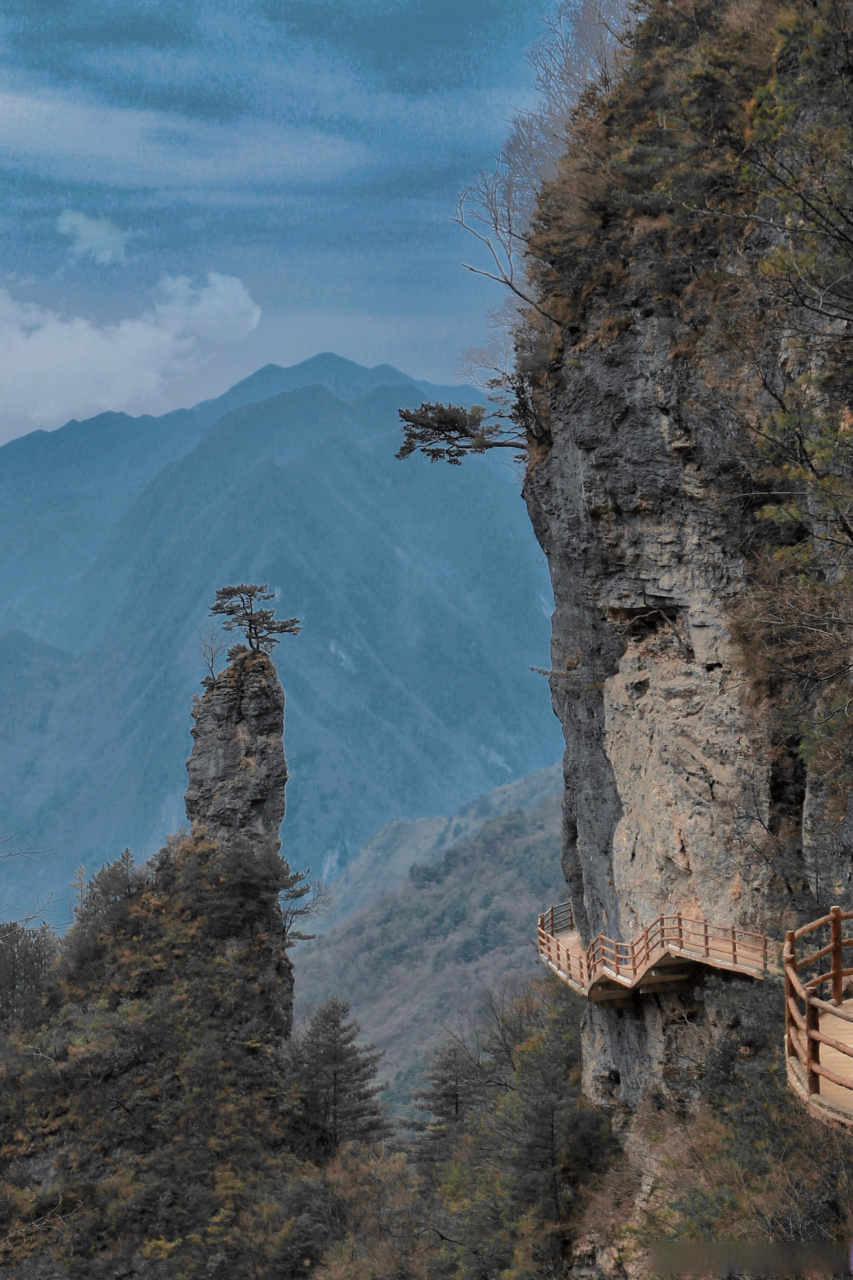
238,604
449,432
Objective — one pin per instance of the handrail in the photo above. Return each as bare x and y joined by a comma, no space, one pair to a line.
804,1006
722,946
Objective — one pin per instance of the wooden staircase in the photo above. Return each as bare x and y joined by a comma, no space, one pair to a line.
660,957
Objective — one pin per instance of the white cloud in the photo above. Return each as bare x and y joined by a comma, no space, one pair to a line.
69,137
55,367
97,238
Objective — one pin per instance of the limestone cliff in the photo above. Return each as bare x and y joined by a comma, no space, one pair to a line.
667,760
237,770
678,781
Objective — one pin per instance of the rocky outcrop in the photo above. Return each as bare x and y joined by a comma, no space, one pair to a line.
670,772
237,771
656,361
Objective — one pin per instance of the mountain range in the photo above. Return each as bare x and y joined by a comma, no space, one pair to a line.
423,598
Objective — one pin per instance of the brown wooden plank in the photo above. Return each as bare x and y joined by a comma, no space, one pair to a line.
807,928
815,955
838,1045
821,1070
795,1013
798,1049
846,1015
790,974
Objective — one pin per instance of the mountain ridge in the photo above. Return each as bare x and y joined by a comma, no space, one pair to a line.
423,599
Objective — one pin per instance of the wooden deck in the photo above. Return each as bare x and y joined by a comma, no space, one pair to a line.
818,1017
660,957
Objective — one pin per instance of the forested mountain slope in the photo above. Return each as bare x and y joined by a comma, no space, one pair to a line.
63,492
413,962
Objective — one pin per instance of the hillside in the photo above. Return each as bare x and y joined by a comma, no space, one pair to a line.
408,690
385,859
415,961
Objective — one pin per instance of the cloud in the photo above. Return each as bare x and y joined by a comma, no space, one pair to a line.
66,137
96,238
55,367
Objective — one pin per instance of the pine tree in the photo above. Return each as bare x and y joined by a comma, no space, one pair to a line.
456,1084
339,1085
238,604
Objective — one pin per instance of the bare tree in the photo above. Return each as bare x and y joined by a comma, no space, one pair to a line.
579,49
300,901
211,646
6,854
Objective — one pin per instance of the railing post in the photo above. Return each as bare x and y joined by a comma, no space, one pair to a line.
790,948
646,941
764,953
734,946
680,933
837,959
812,1047
707,948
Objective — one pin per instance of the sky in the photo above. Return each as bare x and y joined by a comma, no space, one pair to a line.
194,188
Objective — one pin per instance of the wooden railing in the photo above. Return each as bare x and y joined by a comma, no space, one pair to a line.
804,1006
722,946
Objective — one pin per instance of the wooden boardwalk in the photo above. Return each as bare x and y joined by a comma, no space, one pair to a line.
660,957
818,1019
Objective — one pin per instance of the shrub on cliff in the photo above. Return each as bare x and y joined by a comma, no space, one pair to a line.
240,605
743,1159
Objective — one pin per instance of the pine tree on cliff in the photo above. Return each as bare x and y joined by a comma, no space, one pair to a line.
260,626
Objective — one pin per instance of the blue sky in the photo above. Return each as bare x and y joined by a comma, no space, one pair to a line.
196,187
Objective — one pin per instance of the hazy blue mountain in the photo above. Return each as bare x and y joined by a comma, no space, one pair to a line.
62,492
421,590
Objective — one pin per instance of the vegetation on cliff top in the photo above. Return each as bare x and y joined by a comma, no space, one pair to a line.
151,1104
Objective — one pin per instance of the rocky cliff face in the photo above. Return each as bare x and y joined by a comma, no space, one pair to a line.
237,771
668,763
684,785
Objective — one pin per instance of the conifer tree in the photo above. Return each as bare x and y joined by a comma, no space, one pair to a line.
238,604
339,1077
456,1084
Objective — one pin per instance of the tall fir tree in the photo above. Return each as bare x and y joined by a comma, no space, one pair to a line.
339,1084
